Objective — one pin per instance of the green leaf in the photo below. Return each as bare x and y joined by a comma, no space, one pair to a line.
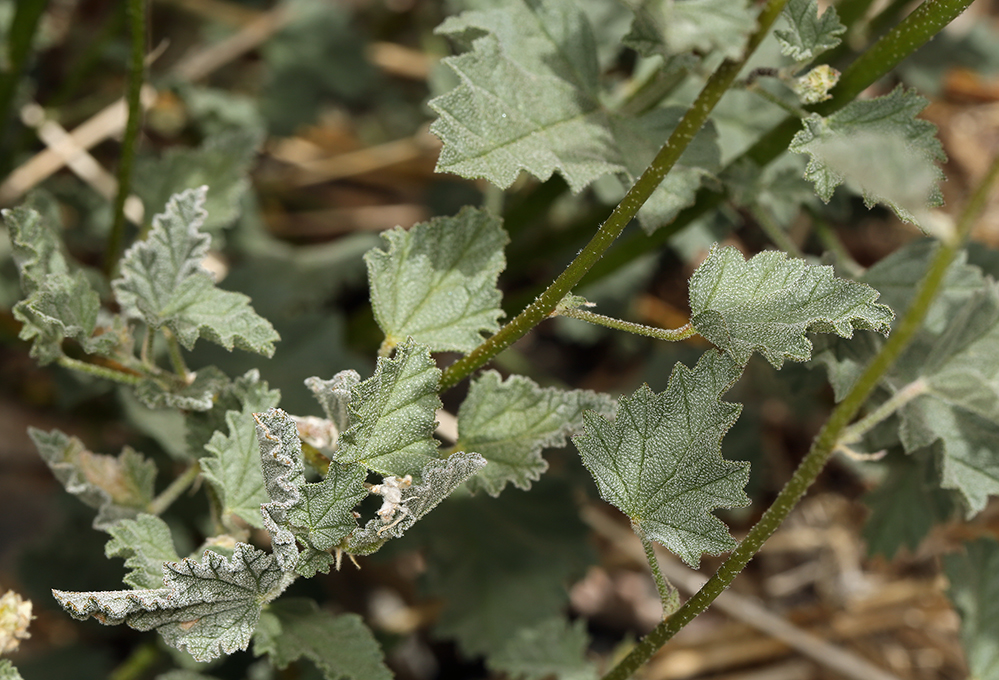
247,393
222,162
145,543
974,590
553,649
510,422
769,302
319,515
439,479
334,396
906,504
879,146
660,461
809,35
671,27
207,608
529,99
197,395
58,304
392,414
436,283
502,564
120,488
341,646
163,284
233,469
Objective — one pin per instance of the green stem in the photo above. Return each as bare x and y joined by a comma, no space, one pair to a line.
689,125
138,664
795,111
99,371
136,75
20,38
176,356
823,446
668,594
855,432
178,486
667,334
832,242
774,231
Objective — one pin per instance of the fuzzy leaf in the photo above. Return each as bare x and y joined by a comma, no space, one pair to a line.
671,27
809,35
207,608
771,301
439,479
974,590
529,99
233,469
342,647
334,396
145,543
510,422
879,146
120,488
164,284
246,393
553,649
392,413
198,395
660,461
436,283
319,514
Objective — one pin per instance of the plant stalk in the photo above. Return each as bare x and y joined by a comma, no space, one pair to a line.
136,76
178,486
99,371
668,594
695,118
855,432
823,446
666,334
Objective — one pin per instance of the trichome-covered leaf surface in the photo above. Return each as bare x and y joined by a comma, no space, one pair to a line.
553,649
974,590
340,646
809,34
672,27
881,148
436,283
659,461
207,608
769,302
145,543
118,487
510,421
392,414
163,283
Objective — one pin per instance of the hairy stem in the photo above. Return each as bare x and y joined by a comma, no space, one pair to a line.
668,594
855,432
176,356
100,371
667,334
689,125
178,486
776,233
136,75
823,446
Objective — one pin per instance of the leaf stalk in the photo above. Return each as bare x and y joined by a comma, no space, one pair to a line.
668,594
856,432
177,487
667,334
99,371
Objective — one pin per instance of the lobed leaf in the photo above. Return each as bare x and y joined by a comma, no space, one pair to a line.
334,396
769,302
510,422
119,487
246,393
879,146
671,27
809,34
163,283
145,543
341,647
392,414
553,649
198,394
660,460
207,608
974,590
233,469
436,283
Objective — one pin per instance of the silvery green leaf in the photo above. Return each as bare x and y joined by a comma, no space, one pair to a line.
671,27
660,460
334,396
340,646
222,162
529,99
879,146
233,469
120,488
554,648
163,283
207,608
768,303
246,393
439,479
392,414
809,34
197,395
510,422
319,514
436,282
145,543
974,590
